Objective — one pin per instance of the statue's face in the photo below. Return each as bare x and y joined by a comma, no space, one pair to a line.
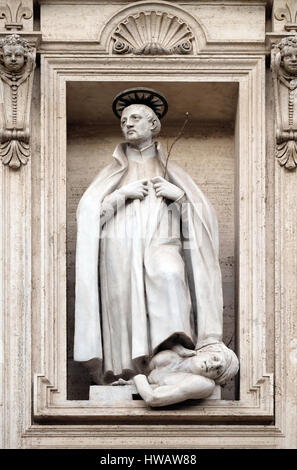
209,364
289,60
13,57
135,124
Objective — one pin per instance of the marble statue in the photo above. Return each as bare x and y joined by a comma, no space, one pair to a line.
181,374
147,269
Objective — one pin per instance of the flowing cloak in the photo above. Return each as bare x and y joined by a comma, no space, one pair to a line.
199,251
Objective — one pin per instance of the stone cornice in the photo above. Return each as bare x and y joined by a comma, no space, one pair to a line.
183,2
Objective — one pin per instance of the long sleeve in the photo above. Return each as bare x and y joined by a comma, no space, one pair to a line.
110,206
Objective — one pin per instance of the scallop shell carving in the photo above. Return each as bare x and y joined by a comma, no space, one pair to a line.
152,33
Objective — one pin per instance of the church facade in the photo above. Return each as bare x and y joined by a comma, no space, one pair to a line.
232,68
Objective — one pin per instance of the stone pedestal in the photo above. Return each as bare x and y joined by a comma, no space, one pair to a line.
109,395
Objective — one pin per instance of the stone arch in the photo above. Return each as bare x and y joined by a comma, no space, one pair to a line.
146,11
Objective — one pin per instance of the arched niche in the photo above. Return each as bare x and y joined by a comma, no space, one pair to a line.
172,16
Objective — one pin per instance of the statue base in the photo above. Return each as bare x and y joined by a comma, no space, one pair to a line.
110,394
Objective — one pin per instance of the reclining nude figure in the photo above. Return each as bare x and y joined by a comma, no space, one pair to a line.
181,374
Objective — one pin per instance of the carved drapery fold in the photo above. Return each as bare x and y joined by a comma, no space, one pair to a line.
17,63
284,72
152,33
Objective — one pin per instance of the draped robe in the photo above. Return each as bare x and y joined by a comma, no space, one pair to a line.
140,282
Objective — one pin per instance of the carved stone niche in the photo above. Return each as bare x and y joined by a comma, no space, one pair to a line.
64,175
17,64
284,72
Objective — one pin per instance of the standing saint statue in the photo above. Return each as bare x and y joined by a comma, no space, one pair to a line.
147,269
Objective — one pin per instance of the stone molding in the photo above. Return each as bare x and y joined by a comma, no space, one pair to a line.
99,39
16,85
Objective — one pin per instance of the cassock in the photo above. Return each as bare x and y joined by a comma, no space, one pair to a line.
148,276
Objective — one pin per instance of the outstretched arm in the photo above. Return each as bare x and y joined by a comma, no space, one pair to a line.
186,386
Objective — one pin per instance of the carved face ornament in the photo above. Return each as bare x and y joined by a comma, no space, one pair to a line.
135,124
13,57
289,60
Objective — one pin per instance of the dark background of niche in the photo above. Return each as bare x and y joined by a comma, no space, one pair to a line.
92,133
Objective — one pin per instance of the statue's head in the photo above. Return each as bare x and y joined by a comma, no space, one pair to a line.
14,52
140,110
217,362
288,53
139,123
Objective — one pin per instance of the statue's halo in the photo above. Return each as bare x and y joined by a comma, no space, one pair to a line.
139,95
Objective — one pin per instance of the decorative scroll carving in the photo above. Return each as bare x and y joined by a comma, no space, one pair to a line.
14,15
152,33
284,70
17,63
289,14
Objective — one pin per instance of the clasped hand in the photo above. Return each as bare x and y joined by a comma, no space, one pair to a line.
139,189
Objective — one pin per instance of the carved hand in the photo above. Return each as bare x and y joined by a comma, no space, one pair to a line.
135,190
166,189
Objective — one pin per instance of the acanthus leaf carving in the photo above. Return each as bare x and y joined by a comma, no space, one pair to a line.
286,152
15,148
152,33
284,73
14,15
17,63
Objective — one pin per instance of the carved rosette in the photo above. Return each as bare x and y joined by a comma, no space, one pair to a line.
284,72
152,33
17,63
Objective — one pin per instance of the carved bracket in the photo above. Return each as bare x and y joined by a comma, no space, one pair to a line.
284,72
14,14
152,33
17,63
